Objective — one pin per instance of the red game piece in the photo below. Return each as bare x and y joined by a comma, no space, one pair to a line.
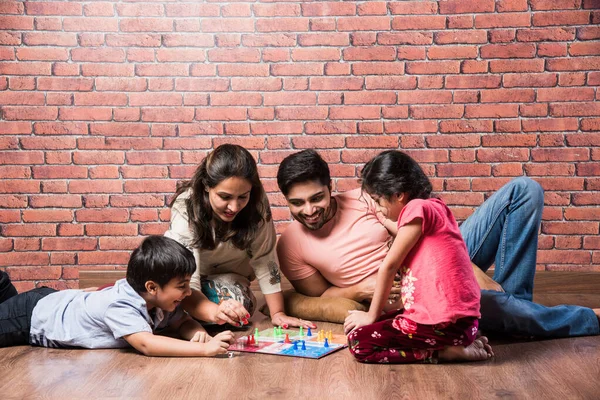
287,339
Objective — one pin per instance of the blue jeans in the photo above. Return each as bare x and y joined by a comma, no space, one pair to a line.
16,310
504,231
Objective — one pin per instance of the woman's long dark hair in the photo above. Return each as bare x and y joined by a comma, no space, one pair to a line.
226,161
393,172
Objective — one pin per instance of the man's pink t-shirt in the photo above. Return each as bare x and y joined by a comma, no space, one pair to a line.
438,283
347,249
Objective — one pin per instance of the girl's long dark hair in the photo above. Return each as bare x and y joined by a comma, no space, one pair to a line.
393,172
226,161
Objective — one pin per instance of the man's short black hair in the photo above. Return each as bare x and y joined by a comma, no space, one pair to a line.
304,166
159,259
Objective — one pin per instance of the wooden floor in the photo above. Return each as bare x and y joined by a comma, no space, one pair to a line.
550,369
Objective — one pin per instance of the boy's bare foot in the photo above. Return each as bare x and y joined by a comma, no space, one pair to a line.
479,350
597,312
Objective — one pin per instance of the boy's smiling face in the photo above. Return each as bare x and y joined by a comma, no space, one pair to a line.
169,296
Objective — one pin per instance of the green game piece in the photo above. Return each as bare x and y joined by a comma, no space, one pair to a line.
301,332
255,332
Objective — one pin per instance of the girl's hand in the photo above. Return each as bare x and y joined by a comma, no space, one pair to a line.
280,319
357,319
232,312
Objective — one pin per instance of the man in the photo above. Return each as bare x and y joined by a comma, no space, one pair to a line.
335,245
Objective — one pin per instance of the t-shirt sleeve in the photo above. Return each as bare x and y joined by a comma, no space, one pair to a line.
264,259
292,264
179,230
417,208
124,319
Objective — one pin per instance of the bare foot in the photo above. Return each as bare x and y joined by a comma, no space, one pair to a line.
479,350
597,312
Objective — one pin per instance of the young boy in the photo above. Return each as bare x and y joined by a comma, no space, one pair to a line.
129,313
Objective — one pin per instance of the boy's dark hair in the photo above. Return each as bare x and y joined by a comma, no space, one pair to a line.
159,259
394,172
226,161
304,166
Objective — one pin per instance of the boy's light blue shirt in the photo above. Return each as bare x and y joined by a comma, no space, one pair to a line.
72,318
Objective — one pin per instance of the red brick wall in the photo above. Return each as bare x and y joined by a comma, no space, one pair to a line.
105,105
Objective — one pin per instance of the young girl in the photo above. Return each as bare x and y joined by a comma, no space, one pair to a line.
440,294
222,214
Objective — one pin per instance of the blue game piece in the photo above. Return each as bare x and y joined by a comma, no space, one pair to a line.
326,344
303,345
295,345
309,333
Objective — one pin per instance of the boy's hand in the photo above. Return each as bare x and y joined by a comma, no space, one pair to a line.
201,337
232,312
219,343
357,319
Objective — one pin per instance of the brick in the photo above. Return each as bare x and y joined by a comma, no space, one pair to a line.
84,114
552,49
47,216
502,155
90,24
570,228
454,141
30,68
544,5
53,8
545,155
588,32
550,125
546,34
103,257
355,112
20,98
436,22
460,36
502,35
474,126
423,126
565,94
256,84
301,113
530,80
516,50
221,114
55,172
536,65
150,186
511,5
276,128
97,186
13,201
405,38
122,243
571,79
424,97
452,52
167,114
507,96
14,172
514,140
460,21
503,20
472,81
30,113
533,110
561,18
555,169
436,112
372,142
379,97
464,7
432,67
281,24
104,215
22,83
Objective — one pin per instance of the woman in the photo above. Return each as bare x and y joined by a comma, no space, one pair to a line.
222,214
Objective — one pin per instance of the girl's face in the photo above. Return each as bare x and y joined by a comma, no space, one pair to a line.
390,208
229,197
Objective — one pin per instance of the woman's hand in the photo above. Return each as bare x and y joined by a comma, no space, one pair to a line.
357,319
285,321
231,312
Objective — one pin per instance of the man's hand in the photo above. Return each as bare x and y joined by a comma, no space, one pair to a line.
366,288
484,281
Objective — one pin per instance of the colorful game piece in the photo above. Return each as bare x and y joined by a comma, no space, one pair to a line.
301,332
329,335
303,345
255,331
309,333
326,344
287,339
295,345
250,339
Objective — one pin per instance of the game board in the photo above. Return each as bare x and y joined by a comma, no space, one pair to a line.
288,342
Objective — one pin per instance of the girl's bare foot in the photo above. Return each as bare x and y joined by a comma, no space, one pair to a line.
597,312
479,350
